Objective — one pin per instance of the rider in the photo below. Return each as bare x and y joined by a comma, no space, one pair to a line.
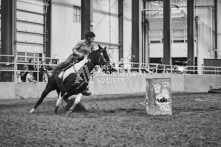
82,48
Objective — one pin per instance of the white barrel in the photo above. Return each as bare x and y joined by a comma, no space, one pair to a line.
158,96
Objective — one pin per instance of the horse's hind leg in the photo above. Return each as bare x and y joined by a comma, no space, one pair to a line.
77,100
43,95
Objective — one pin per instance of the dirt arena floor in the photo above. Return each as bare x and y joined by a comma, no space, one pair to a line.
118,120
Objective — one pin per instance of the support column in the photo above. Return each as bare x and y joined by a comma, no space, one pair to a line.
166,32
218,29
121,28
136,31
8,27
86,10
147,41
8,18
215,23
145,35
190,33
47,50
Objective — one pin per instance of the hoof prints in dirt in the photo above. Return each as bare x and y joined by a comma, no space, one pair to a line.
79,108
122,122
123,110
194,111
120,111
102,113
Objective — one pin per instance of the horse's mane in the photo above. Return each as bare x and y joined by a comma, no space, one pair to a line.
93,53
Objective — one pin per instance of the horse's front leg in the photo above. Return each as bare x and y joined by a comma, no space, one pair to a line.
77,101
58,102
49,88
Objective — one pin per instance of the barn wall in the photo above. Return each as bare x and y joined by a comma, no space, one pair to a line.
65,33
127,29
105,25
30,26
206,34
178,50
203,47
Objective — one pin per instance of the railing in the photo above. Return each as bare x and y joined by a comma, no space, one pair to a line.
172,69
10,68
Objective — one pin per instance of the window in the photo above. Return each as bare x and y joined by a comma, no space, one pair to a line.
25,56
76,14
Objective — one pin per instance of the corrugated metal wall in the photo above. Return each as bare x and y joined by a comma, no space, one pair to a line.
65,33
30,26
105,25
127,29
205,44
205,13
206,35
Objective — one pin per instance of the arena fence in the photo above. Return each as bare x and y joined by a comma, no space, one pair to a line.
11,68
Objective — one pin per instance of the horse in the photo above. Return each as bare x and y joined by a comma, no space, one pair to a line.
75,82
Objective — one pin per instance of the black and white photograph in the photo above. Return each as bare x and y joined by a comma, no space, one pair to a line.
110,73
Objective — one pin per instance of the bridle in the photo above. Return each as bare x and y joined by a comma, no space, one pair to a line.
100,57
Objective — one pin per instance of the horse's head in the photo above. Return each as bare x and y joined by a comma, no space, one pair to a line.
99,57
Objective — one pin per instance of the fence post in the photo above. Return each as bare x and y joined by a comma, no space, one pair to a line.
140,67
15,69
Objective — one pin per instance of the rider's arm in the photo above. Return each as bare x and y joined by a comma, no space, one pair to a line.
76,48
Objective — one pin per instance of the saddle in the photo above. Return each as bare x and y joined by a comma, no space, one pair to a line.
73,68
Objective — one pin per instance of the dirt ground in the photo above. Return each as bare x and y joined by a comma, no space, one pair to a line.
118,120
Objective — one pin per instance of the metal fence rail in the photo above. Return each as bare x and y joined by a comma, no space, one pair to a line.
11,68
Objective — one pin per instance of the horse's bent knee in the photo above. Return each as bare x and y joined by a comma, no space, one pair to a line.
78,98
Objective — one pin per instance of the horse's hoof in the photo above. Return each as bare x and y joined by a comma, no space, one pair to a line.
68,113
56,110
32,110
69,104
86,93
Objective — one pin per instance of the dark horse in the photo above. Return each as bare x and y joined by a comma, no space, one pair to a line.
76,82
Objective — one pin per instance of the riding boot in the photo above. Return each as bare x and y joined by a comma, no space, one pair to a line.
86,92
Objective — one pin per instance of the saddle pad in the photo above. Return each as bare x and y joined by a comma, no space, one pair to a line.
75,68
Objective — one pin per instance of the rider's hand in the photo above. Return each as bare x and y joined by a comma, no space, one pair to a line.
81,55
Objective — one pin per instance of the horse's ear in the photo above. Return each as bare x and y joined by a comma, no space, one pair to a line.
99,46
